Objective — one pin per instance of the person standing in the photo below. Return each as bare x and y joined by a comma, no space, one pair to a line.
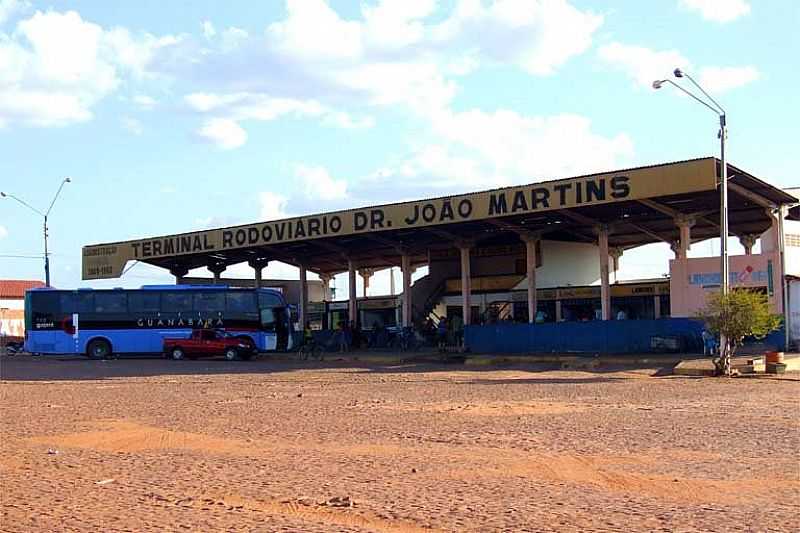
441,334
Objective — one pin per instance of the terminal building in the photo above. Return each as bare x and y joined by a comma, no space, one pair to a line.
526,268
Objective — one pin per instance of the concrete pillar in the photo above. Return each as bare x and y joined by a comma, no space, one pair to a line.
179,273
615,254
657,306
748,241
558,311
605,289
466,281
326,286
675,246
302,314
352,301
405,267
391,281
685,236
216,270
530,271
258,266
366,274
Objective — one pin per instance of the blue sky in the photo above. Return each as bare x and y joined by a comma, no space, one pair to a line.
173,116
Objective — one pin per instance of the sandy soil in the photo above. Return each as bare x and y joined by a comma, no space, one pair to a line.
151,445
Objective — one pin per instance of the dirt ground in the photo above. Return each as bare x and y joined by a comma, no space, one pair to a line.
152,445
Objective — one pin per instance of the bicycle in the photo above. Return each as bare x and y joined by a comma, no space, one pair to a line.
405,340
310,350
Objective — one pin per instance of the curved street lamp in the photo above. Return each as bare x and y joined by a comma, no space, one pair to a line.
44,216
714,106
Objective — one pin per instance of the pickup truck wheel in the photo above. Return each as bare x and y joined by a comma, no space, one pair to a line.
231,354
177,354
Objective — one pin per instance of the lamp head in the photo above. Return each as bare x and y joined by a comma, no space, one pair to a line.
2,194
678,73
657,84
67,180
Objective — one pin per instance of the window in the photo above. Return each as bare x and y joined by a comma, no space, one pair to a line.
144,302
176,302
266,299
209,302
268,319
84,302
110,302
46,307
240,302
68,304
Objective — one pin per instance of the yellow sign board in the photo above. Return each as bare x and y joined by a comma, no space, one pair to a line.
108,260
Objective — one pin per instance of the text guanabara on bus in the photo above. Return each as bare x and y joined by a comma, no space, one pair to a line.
99,322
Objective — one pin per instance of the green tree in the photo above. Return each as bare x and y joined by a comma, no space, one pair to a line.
735,316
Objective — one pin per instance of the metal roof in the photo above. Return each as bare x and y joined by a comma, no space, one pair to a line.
634,223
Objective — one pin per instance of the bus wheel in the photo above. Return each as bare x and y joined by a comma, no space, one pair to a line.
98,349
177,354
231,354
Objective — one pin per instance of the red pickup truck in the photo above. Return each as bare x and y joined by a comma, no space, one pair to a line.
208,342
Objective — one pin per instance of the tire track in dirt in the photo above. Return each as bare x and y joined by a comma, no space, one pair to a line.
322,513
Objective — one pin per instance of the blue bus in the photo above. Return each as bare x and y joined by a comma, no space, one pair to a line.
101,322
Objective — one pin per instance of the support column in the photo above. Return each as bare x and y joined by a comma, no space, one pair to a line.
685,235
466,280
366,274
748,241
179,273
302,314
605,289
216,270
258,266
326,286
352,302
530,241
405,267
558,311
657,306
615,254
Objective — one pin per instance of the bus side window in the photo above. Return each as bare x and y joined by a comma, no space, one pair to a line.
209,301
268,319
47,307
241,302
84,302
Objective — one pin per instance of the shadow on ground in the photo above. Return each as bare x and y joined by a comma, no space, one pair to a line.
59,368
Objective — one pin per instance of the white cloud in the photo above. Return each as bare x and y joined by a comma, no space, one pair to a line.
720,79
313,30
238,107
55,67
144,102
642,64
3,232
395,53
224,133
717,10
273,206
208,29
538,36
10,8
319,183
132,125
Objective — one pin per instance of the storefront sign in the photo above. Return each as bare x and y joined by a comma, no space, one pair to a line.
108,260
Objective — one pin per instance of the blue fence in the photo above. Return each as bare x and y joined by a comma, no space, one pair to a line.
599,336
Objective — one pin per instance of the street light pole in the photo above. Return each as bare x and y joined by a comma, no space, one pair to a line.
724,282
723,186
44,216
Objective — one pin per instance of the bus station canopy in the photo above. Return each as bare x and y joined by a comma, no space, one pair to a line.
637,206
